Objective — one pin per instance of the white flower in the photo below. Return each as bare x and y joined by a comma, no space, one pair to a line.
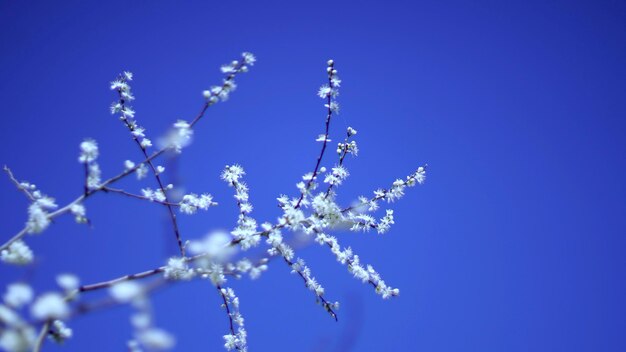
17,253
248,58
18,340
420,174
141,320
88,151
322,138
156,339
228,68
338,175
9,317
334,107
60,332
191,202
182,137
37,219
216,274
177,269
125,291
128,164
142,171
133,346
231,342
79,212
215,245
93,179
18,294
50,306
117,84
232,173
68,282
324,91
145,143
138,132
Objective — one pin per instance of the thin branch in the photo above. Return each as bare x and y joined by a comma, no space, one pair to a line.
114,179
18,184
86,185
82,197
137,196
131,127
141,275
327,306
230,318
346,147
385,192
109,283
329,114
227,82
45,330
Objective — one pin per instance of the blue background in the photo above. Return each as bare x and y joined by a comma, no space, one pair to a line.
515,243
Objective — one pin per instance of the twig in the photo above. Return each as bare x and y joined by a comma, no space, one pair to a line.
18,184
86,185
319,158
82,197
325,303
137,196
170,211
230,318
45,329
346,147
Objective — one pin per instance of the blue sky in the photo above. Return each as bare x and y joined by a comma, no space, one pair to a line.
515,242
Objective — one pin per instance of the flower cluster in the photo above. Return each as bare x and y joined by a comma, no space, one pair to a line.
246,231
17,332
17,253
192,202
126,113
146,335
221,93
234,340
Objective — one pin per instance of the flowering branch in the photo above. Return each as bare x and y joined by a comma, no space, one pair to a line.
137,196
343,149
329,92
212,258
233,340
22,186
127,116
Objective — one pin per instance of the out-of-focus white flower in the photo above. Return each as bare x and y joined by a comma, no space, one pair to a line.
156,339
68,282
18,294
216,246
126,291
50,305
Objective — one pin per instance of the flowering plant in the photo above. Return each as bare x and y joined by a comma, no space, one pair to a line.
314,212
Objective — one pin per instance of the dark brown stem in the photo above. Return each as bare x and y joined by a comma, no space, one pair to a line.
86,185
137,196
226,305
170,210
343,156
329,114
325,303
